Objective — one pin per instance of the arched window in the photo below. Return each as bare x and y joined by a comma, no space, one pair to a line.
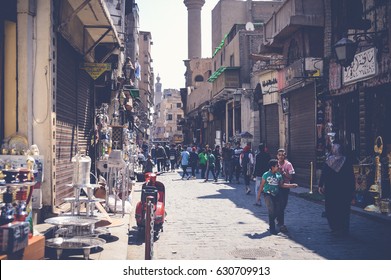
199,78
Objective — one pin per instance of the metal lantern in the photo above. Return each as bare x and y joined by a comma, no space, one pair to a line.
345,49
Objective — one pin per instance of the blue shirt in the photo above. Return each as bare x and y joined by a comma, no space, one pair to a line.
185,158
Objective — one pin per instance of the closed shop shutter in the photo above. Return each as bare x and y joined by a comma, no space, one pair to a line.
302,133
73,116
272,129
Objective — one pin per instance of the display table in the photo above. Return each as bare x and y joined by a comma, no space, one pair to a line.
35,250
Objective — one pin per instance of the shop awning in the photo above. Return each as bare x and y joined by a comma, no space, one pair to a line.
135,93
218,72
86,24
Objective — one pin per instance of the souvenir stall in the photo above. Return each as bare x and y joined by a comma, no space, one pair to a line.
116,152
21,175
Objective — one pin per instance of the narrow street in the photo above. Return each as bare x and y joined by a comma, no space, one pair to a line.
217,221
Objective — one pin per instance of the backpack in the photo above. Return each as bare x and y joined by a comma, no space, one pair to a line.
246,162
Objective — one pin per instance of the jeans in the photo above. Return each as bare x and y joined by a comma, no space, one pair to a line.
273,207
184,167
212,169
283,197
227,170
258,181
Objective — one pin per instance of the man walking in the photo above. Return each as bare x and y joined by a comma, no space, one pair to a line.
287,171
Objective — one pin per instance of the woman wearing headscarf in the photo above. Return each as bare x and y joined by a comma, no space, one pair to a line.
337,185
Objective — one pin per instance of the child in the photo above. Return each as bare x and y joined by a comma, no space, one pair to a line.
271,183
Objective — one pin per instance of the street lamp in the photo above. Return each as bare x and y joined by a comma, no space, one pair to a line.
345,49
237,95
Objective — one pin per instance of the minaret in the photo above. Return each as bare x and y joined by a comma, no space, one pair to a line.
158,91
194,27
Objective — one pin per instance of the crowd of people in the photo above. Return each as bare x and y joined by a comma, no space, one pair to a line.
270,174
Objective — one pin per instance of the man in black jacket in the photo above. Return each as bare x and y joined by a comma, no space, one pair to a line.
161,157
261,166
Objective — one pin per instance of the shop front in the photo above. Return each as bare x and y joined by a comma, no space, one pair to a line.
361,106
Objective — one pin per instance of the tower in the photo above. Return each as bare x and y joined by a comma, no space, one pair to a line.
194,27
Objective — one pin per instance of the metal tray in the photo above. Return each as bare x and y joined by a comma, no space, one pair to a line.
71,221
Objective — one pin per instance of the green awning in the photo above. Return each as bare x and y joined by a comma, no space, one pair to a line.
216,74
135,93
219,47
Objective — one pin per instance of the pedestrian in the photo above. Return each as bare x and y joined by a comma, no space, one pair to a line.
167,161
271,185
193,161
247,163
202,160
287,171
153,153
173,157
217,154
160,157
210,165
149,164
337,183
236,161
226,155
145,149
185,162
260,167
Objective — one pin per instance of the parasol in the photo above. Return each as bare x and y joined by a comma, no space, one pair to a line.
246,135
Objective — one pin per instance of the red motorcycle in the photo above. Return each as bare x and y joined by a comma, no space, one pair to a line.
156,190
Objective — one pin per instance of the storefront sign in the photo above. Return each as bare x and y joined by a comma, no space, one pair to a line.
364,66
96,69
269,82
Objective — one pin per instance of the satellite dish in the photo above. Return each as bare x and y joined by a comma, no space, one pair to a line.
250,26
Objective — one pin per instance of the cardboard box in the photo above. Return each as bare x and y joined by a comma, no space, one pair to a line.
14,236
35,249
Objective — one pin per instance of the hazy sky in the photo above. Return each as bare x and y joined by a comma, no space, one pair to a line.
167,22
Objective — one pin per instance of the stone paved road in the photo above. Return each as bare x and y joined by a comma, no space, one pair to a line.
217,221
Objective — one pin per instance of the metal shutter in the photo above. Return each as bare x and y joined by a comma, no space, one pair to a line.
302,133
73,116
272,137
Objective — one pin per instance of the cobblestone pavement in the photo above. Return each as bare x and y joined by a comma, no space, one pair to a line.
218,221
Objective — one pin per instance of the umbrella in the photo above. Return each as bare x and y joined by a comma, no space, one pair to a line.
246,134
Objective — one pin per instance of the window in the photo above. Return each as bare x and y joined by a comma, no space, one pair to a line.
179,105
169,117
199,78
179,128
179,116
232,60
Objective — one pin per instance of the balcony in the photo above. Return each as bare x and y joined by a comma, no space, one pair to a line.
292,15
225,78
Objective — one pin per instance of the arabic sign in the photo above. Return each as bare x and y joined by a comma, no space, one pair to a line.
364,66
269,81
95,69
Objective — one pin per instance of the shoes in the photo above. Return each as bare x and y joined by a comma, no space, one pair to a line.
188,177
205,181
258,204
215,180
283,229
248,191
183,178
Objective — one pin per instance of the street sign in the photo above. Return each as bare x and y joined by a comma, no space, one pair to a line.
95,69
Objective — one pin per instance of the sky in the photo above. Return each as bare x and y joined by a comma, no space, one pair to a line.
167,22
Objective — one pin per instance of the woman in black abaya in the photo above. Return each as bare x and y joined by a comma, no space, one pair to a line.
337,184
